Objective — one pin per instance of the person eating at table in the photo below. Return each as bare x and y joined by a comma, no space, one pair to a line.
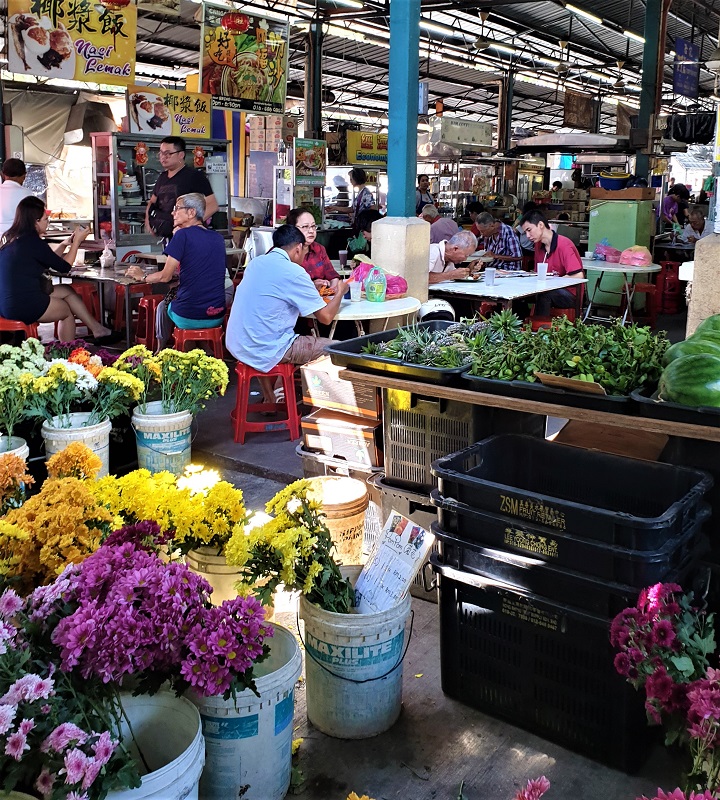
445,255
273,293
697,227
499,241
316,262
441,228
561,256
26,292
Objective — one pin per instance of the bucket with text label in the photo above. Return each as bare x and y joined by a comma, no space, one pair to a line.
354,667
163,440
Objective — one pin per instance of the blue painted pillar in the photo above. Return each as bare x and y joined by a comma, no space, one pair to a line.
403,107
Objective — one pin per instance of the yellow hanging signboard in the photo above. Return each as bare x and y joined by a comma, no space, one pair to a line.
168,112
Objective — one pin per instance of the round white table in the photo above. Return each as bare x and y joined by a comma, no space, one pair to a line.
630,275
365,309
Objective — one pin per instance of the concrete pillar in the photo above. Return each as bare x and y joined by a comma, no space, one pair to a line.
401,245
705,299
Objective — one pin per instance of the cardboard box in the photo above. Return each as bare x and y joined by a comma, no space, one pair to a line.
323,387
612,439
636,193
273,136
575,194
256,124
354,439
273,123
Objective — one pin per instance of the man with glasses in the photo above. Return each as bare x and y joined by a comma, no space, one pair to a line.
178,179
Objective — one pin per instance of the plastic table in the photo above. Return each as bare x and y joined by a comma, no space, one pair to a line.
365,309
629,274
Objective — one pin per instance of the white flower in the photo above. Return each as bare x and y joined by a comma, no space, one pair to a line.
86,382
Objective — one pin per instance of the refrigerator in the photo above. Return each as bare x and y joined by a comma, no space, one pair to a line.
623,223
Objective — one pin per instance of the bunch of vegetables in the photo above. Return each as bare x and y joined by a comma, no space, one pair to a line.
619,358
692,368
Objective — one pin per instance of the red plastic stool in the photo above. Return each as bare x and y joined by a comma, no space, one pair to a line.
650,311
88,294
135,288
30,330
241,426
145,328
214,335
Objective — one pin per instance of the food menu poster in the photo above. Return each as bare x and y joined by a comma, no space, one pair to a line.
399,553
243,60
79,40
310,162
167,112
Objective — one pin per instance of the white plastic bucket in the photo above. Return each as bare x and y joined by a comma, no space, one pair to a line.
96,437
344,502
168,732
206,562
248,742
354,667
17,447
163,440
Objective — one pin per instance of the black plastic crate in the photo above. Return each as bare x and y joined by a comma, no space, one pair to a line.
610,498
618,404
543,666
416,506
637,568
650,406
601,598
317,465
349,353
417,430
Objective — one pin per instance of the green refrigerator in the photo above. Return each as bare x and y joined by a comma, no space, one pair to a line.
623,223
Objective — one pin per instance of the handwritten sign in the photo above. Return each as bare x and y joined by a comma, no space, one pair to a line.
243,60
686,69
165,112
398,555
73,39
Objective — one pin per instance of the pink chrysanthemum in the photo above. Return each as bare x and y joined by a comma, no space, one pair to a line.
16,745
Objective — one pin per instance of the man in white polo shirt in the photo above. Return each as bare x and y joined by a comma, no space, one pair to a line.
12,191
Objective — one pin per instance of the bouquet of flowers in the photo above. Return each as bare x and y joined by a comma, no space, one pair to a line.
183,381
13,481
295,549
18,367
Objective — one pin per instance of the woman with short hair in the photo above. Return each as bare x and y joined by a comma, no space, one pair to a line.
316,262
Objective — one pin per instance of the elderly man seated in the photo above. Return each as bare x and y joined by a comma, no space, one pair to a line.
444,256
500,241
273,293
441,228
697,227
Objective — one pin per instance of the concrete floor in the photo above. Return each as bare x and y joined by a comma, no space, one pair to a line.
438,743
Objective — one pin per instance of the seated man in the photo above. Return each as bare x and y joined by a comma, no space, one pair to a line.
441,228
697,227
444,256
273,293
561,256
499,240
475,208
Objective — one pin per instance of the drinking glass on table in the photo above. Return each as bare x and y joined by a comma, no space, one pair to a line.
542,271
355,291
490,273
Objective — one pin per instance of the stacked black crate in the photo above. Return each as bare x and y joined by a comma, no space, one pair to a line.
540,546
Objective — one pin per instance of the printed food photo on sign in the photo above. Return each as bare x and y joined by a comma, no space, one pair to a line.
310,161
149,113
73,39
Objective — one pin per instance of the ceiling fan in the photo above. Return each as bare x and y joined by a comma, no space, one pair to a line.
482,43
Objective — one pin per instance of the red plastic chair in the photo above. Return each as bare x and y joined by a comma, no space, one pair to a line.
546,322
145,328
30,330
650,312
135,288
241,425
182,336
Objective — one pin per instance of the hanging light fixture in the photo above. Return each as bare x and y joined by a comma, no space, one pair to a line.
235,22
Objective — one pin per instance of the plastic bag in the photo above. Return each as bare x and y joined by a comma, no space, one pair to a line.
604,252
395,283
636,256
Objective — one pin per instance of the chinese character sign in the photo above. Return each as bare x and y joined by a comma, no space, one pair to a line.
82,40
165,112
367,148
686,69
243,61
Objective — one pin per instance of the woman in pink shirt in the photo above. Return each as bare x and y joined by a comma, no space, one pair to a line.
561,256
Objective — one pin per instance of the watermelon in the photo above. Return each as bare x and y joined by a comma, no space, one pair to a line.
709,325
692,380
691,347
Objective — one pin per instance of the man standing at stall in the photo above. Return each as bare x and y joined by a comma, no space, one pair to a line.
178,179
499,241
12,191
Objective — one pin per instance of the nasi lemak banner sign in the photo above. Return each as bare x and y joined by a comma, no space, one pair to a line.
79,40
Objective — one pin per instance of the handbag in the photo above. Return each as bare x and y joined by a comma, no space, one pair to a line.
46,284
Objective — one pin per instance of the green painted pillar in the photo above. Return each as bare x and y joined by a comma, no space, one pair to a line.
653,51
403,107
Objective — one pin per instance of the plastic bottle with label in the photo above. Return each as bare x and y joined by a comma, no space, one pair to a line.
282,154
375,285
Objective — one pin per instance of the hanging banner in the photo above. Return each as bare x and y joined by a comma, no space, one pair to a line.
73,39
367,148
580,111
686,68
310,162
243,60
167,112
